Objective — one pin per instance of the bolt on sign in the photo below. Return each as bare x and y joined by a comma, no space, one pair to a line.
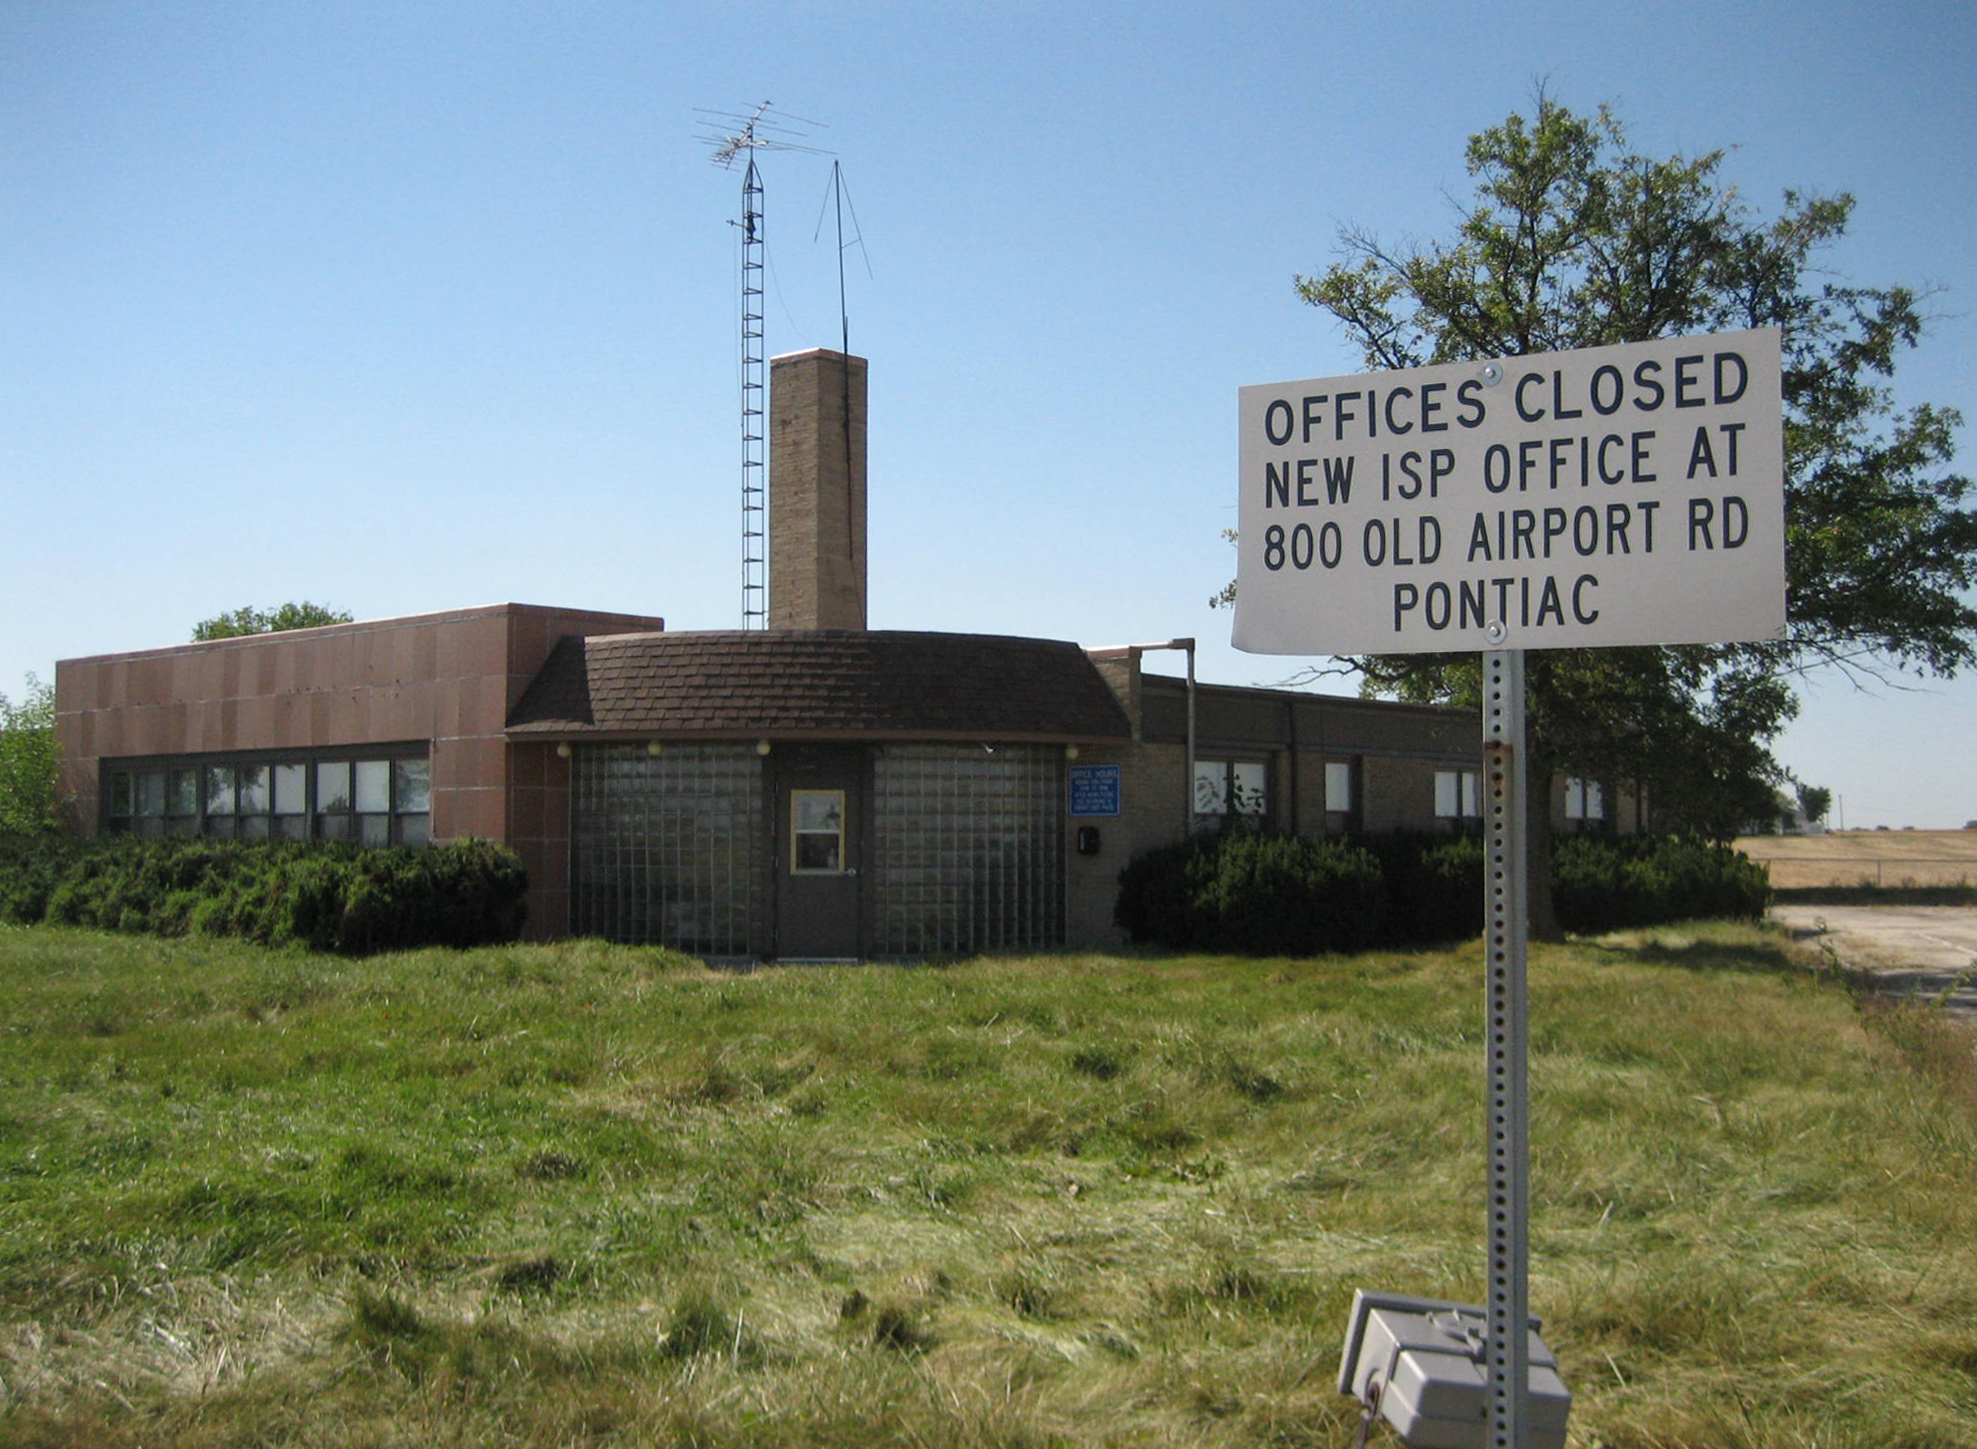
1614,495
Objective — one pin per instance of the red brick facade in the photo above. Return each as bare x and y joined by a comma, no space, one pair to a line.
443,680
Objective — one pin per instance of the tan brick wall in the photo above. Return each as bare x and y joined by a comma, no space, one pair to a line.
1151,800
1309,787
1397,793
817,403
1120,669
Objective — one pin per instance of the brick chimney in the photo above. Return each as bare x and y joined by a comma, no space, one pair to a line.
817,491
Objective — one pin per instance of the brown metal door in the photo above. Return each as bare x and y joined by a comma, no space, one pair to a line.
822,797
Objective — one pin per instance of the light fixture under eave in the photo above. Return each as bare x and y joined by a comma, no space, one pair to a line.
562,749
1070,752
655,747
761,747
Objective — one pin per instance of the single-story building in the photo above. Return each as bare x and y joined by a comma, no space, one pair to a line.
815,789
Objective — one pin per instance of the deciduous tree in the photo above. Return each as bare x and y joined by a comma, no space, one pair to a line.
1573,239
250,620
30,799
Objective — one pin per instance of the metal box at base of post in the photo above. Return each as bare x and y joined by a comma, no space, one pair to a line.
1422,1365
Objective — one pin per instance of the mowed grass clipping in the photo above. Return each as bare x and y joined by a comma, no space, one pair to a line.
582,1195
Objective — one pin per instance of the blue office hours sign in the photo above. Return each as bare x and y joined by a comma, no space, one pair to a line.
1095,790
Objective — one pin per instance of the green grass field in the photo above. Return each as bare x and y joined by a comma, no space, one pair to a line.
583,1195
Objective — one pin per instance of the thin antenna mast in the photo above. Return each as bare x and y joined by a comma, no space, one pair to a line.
734,135
851,520
837,198
843,315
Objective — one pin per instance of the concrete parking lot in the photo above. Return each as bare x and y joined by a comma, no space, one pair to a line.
1930,951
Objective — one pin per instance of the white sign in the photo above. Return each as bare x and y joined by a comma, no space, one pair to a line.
1616,495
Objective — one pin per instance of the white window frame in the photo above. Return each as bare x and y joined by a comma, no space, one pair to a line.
1458,795
1584,799
1338,787
1220,781
816,819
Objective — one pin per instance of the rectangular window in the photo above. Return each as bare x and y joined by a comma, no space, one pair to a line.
411,800
1584,800
219,790
1246,787
1338,786
333,819
373,802
1232,787
182,802
151,793
149,788
333,787
290,787
816,832
1458,795
373,787
121,798
411,787
251,784
253,789
377,801
1210,787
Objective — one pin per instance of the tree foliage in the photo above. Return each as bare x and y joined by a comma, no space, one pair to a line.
1572,239
30,798
249,620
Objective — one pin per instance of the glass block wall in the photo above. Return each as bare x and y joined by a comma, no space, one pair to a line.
968,853
670,849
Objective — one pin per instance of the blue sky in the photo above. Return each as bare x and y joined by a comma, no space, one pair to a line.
410,306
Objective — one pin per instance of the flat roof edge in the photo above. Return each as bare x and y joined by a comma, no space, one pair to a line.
644,624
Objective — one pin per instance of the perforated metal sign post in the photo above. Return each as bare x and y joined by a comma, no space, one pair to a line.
1506,936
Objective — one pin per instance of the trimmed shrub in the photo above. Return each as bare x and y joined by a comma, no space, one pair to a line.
31,868
1434,886
323,895
1290,895
1155,897
1601,883
1266,895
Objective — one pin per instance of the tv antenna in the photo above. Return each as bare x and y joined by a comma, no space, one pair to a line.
837,196
737,136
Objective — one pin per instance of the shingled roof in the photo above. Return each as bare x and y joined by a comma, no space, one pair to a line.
821,684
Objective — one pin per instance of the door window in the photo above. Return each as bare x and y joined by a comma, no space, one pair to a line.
816,833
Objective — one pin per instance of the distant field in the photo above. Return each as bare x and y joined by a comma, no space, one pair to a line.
1870,857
